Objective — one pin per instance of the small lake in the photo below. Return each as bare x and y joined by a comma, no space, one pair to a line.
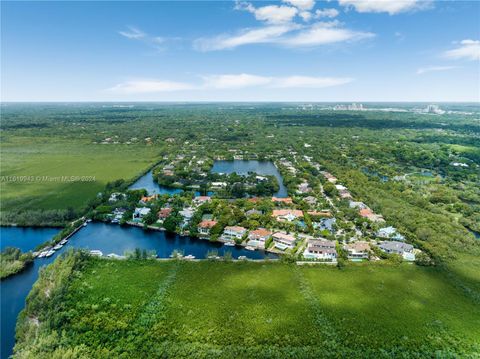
244,167
108,238
152,187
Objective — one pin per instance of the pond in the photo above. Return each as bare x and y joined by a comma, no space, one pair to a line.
244,167
108,238
152,187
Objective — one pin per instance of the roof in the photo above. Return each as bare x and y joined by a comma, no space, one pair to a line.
359,246
320,213
285,212
396,246
207,224
149,198
202,198
284,237
282,200
315,243
235,228
365,212
142,210
164,212
260,232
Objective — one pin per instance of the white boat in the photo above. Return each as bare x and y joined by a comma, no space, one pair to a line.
58,246
89,220
85,224
250,248
190,257
42,254
229,244
115,256
242,257
96,252
50,253
63,241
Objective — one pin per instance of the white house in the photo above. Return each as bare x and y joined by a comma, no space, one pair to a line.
283,240
205,226
321,250
357,250
258,237
400,248
231,233
391,233
141,212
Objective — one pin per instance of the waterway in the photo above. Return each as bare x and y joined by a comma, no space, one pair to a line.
108,238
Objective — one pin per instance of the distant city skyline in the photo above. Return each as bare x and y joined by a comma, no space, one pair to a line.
241,51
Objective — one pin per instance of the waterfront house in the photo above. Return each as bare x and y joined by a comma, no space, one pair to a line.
289,215
140,212
283,241
258,237
232,233
357,250
321,250
205,226
164,213
393,247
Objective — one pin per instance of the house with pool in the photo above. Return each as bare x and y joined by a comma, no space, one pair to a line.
321,250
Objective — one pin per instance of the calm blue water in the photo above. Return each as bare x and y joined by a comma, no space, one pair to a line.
25,238
108,238
152,187
260,167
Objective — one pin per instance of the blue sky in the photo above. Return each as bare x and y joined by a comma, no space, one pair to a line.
297,50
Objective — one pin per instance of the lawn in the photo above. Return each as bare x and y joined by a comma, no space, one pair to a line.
22,156
232,310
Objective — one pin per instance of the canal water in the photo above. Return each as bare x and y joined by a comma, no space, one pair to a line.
152,187
259,167
108,238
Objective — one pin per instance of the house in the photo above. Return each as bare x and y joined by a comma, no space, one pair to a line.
325,224
400,248
321,250
199,200
391,233
323,213
254,200
368,213
116,196
312,201
343,191
286,200
232,233
164,213
289,215
357,250
258,237
218,185
118,215
330,178
187,214
359,205
139,213
283,241
253,212
146,199
205,226
304,188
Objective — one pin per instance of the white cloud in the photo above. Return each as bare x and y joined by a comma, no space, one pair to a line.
267,34
301,4
423,70
305,15
272,14
149,86
391,7
133,33
468,50
234,81
323,33
227,82
331,13
309,82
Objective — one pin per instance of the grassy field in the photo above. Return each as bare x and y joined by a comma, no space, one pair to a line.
53,158
235,310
